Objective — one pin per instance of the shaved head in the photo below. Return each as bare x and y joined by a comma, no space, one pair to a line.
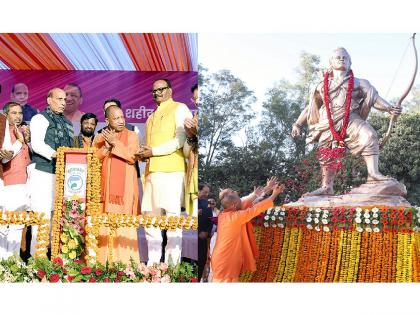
231,200
114,116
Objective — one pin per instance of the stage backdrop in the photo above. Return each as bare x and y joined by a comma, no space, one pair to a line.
132,88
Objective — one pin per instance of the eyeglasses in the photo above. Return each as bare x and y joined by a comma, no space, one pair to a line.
160,90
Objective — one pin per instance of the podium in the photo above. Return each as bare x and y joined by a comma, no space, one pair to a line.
77,196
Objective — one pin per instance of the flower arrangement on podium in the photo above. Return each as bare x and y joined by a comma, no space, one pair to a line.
73,229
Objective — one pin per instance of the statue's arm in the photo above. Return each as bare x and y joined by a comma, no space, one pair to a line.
300,122
384,106
302,119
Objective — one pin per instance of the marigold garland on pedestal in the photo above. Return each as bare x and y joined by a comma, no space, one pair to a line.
366,244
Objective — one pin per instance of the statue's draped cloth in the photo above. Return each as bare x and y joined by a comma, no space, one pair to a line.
361,138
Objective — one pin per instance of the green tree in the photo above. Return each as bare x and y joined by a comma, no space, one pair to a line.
284,103
225,108
400,157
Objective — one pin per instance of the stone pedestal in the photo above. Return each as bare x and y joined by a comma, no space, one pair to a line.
379,193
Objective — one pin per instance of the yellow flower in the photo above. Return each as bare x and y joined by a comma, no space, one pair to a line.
64,238
72,244
72,254
75,198
65,249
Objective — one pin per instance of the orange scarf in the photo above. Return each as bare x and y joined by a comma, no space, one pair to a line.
115,180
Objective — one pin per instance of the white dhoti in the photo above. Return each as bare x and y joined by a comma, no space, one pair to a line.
163,191
42,191
15,198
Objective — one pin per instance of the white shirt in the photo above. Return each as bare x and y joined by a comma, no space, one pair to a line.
7,144
181,113
39,125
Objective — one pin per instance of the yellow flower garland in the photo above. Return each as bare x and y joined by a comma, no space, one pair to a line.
114,221
30,219
339,256
284,251
291,260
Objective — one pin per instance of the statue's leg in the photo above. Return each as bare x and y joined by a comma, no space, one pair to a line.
327,182
372,162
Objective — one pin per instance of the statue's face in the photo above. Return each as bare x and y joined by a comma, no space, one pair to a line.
340,60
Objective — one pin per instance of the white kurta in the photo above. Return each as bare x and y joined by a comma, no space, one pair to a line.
166,191
41,184
11,199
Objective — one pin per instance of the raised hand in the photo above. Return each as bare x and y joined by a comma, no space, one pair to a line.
26,133
271,182
18,134
110,136
277,190
258,191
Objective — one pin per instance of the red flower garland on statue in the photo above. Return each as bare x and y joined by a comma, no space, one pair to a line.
335,155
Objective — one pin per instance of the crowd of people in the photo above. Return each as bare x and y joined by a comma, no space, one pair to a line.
29,140
226,243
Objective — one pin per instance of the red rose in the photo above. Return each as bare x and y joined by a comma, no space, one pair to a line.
85,270
194,279
58,261
117,280
70,278
106,280
92,279
54,277
98,272
40,273
120,274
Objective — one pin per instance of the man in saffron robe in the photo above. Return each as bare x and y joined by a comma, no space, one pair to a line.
116,147
234,251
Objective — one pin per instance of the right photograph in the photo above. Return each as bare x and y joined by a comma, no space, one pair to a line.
309,158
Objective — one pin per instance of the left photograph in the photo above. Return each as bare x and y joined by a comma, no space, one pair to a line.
99,163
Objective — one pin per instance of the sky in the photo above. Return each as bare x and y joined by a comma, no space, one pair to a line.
262,59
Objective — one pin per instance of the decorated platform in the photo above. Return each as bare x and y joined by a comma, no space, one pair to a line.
357,244
75,231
